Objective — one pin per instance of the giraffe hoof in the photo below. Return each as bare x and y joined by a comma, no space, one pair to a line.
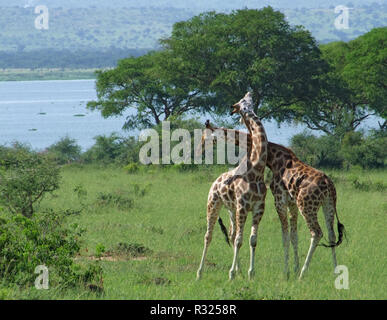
251,274
231,275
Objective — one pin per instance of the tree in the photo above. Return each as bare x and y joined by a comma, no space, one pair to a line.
209,62
225,55
65,150
144,85
25,178
355,88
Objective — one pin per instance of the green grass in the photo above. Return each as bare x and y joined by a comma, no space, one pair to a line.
167,215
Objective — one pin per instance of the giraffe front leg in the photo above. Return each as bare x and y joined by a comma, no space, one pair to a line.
257,216
212,216
232,235
240,222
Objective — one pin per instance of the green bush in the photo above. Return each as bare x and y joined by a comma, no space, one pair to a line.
45,239
354,149
113,149
25,177
65,151
366,151
317,151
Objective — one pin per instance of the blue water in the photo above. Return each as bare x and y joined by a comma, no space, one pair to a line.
40,113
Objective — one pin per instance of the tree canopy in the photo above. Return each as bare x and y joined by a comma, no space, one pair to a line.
211,60
225,55
143,85
356,84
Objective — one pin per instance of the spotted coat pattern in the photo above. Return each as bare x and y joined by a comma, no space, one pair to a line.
240,190
295,186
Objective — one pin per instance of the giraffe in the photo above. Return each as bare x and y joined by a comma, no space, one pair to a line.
296,186
240,190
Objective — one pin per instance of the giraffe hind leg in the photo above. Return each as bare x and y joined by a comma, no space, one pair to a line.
293,211
213,208
241,215
232,234
310,216
329,213
282,215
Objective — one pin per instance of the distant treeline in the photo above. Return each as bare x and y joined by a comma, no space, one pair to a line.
202,4
138,27
50,58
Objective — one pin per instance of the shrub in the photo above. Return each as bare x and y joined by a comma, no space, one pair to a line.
113,149
43,239
366,151
317,151
25,177
65,151
355,149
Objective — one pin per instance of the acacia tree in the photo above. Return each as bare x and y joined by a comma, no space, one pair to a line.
143,85
224,55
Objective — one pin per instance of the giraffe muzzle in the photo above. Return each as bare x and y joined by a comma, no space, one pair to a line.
234,109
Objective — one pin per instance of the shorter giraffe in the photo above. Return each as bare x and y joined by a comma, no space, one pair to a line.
245,193
296,185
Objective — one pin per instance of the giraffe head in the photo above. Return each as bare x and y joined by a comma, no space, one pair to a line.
244,105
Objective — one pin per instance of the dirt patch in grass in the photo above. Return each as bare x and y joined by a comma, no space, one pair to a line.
121,252
114,258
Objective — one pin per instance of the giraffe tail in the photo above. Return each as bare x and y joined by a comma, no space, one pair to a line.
224,230
340,226
341,232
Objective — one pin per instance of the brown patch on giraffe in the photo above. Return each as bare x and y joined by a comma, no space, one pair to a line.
251,176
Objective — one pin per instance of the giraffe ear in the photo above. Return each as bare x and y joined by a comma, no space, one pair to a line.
241,120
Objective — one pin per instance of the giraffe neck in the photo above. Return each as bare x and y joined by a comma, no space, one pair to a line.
276,154
258,153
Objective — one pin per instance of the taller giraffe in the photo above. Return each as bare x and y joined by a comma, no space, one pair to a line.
296,185
241,190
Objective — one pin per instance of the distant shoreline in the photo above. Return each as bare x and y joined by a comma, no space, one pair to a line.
46,74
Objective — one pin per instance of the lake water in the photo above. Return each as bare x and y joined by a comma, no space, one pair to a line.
39,113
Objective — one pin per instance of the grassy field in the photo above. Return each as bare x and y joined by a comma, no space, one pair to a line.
160,215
